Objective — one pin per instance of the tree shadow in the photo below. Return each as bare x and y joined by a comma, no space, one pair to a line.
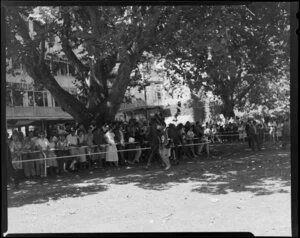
261,173
39,190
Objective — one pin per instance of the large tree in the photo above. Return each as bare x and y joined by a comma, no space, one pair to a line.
106,43
241,59
95,40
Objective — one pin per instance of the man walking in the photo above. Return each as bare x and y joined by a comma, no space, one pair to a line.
153,140
247,128
164,149
254,135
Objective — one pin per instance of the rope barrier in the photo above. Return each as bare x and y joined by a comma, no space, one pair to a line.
71,147
97,153
104,145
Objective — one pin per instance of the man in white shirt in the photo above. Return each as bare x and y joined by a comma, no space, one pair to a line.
205,141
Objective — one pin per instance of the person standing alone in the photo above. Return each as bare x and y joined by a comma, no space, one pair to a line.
254,134
164,150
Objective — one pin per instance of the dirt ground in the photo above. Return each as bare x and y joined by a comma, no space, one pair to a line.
235,190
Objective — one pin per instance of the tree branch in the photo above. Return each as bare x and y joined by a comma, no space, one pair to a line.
40,72
245,91
149,36
43,48
92,11
170,26
81,68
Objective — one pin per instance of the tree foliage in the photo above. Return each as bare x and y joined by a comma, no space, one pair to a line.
95,40
241,59
106,44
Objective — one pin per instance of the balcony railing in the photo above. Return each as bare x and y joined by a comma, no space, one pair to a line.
19,112
135,104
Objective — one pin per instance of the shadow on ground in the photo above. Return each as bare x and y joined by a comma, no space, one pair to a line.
237,170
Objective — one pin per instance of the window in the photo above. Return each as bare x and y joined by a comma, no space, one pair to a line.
38,87
38,98
45,99
17,98
158,96
8,97
30,99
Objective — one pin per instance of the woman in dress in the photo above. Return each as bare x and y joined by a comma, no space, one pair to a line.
120,141
52,163
205,140
82,148
112,151
164,149
242,133
42,144
28,148
130,137
272,130
16,147
62,150
72,142
214,133
190,140
279,131
89,140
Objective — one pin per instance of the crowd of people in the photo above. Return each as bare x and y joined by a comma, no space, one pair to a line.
121,144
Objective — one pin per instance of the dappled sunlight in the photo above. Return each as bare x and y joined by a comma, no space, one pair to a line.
243,172
81,185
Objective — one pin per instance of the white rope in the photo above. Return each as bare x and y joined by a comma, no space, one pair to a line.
97,153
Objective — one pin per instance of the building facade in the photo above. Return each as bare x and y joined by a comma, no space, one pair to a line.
30,104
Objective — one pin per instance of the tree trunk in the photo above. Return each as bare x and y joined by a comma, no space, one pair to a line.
228,110
108,108
228,106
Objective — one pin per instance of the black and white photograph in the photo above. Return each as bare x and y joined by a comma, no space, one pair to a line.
146,118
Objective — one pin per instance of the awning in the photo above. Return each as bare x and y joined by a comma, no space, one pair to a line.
139,108
23,122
